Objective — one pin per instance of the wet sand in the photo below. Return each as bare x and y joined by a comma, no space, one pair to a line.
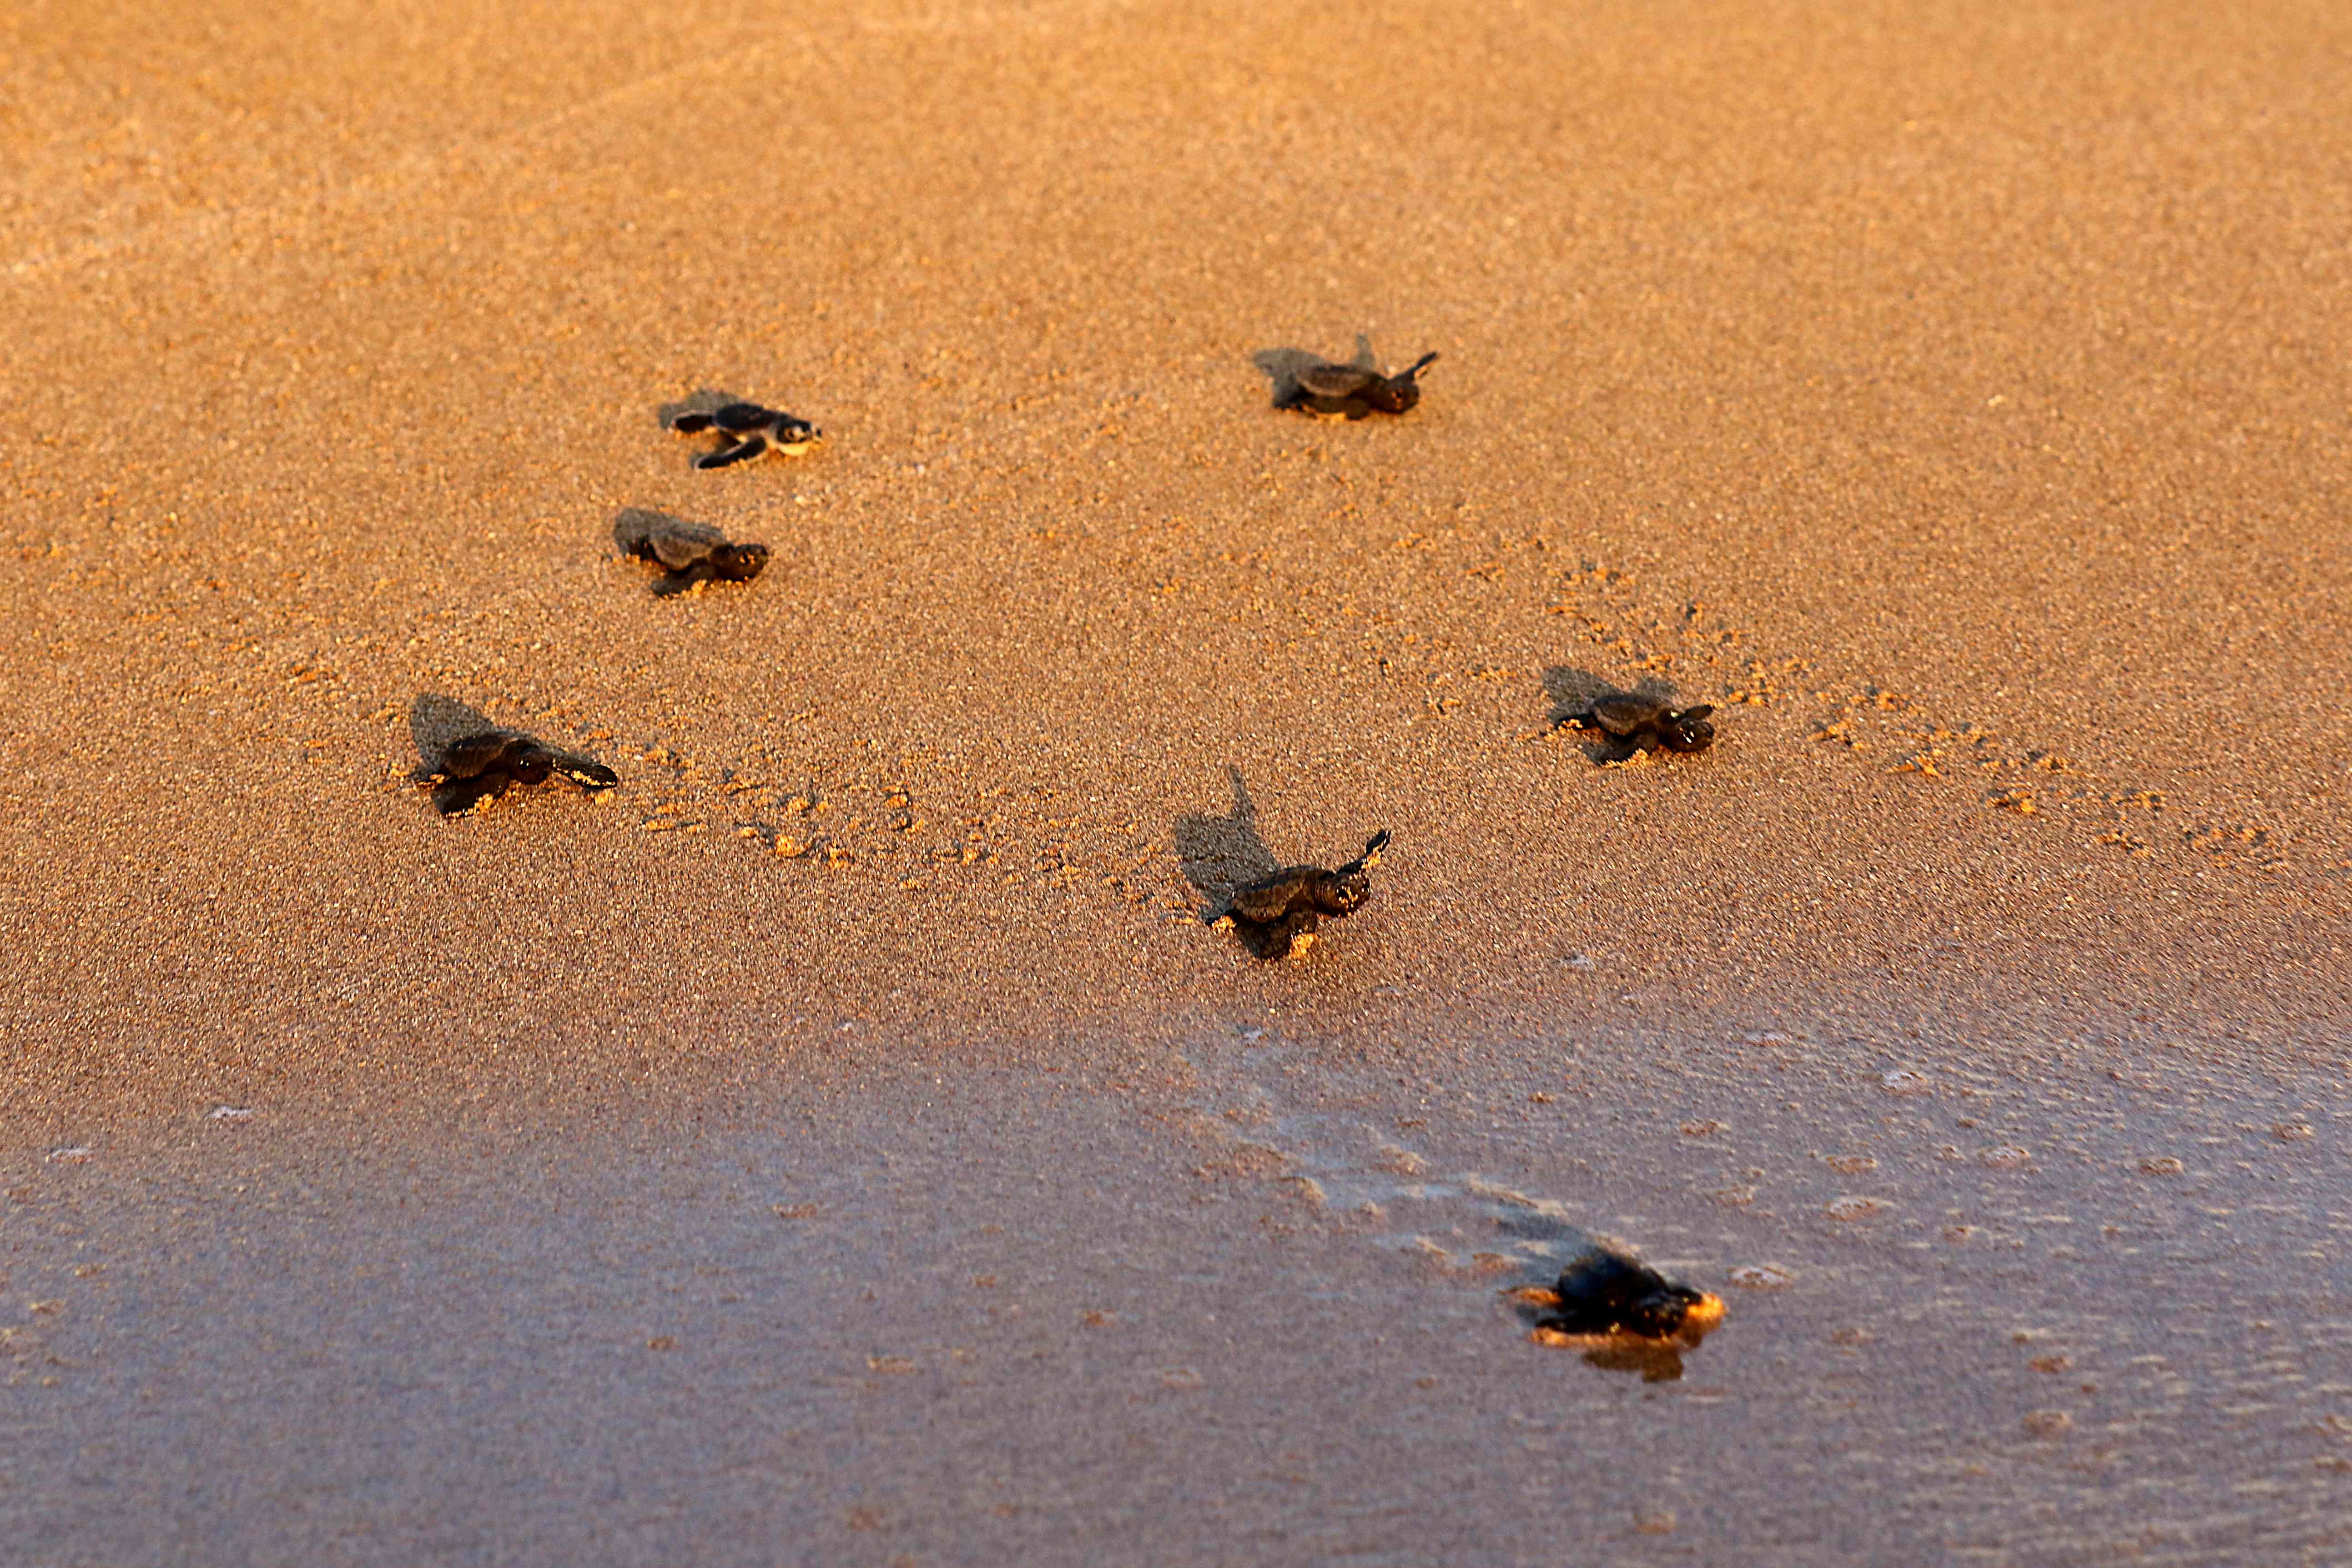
1956,398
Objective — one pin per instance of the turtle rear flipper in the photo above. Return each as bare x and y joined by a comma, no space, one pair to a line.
464,796
586,771
691,423
741,451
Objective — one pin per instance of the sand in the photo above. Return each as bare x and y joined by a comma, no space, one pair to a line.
1956,396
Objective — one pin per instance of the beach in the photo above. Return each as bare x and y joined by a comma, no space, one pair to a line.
1956,398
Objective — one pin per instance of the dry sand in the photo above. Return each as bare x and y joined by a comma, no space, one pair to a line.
1955,395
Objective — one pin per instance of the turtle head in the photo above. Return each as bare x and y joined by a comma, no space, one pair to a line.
1343,891
1687,729
794,434
1399,393
530,764
739,562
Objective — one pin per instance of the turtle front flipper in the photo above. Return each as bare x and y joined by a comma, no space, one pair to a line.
586,771
1373,846
463,797
685,579
741,451
1270,941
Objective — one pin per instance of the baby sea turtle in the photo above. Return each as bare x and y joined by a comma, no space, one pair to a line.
477,769
1353,391
1604,1291
690,553
1279,912
746,431
1648,722
1623,1314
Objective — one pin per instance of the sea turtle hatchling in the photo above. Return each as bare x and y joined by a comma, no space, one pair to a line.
746,431
1353,391
689,554
1648,722
1276,913
476,769
1604,1291
1622,1313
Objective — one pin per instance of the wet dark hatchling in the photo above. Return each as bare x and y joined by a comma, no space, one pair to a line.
477,769
1354,390
1279,912
1603,1291
689,554
746,431
1647,722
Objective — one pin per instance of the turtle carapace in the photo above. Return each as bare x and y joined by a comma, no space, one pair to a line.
476,769
746,431
1353,391
1647,721
1281,911
689,554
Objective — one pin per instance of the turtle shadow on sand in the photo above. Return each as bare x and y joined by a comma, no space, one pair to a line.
1283,367
434,721
1572,691
1219,854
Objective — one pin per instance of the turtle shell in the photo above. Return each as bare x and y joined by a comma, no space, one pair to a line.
671,541
1624,715
471,756
744,418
